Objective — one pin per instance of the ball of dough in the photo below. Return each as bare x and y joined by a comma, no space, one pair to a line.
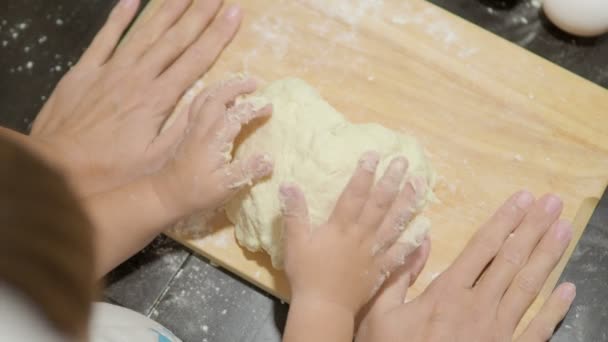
315,147
585,18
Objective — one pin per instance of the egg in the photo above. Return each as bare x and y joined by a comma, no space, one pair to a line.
586,18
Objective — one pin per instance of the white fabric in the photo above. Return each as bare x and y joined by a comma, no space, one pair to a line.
111,323
21,320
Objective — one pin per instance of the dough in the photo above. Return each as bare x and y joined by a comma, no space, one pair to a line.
314,146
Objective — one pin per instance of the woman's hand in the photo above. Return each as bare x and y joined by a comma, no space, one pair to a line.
485,293
102,123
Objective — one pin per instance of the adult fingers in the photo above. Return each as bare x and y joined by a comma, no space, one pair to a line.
355,194
179,37
518,248
201,55
383,196
149,32
484,245
553,312
107,39
296,221
529,282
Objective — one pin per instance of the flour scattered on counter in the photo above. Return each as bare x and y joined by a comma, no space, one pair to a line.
42,40
350,11
29,64
275,33
59,22
518,157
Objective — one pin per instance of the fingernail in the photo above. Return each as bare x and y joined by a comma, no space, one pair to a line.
128,3
287,193
233,11
564,231
263,166
369,161
567,292
553,204
399,167
524,200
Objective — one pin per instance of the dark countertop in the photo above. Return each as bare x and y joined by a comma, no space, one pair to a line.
40,40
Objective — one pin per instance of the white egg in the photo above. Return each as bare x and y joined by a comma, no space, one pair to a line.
585,18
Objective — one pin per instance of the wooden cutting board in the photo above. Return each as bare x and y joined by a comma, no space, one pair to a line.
493,117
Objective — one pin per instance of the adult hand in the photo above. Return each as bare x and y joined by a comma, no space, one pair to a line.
102,123
485,293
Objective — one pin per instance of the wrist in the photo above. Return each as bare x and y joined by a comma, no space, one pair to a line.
324,303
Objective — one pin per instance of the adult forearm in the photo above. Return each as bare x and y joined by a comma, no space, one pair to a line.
126,220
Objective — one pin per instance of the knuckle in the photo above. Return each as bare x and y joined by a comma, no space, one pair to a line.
486,245
528,284
514,258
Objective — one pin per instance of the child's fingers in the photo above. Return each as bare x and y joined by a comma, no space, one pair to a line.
555,309
237,117
173,42
201,55
149,32
394,291
395,256
357,191
296,221
208,111
216,99
398,217
105,42
243,173
383,196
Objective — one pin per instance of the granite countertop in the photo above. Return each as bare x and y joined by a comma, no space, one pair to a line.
40,40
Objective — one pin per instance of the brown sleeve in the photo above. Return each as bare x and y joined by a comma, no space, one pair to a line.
46,248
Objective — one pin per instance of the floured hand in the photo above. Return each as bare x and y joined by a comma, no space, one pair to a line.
102,122
202,176
345,261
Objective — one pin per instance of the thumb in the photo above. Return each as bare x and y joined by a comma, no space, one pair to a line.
296,221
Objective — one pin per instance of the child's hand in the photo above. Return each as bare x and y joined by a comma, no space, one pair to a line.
486,292
202,176
342,263
102,123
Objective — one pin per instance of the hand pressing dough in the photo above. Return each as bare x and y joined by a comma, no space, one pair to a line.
315,147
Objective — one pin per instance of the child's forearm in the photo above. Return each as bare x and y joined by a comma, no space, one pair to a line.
126,220
312,320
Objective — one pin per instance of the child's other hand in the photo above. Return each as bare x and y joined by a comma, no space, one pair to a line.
102,122
202,176
345,261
